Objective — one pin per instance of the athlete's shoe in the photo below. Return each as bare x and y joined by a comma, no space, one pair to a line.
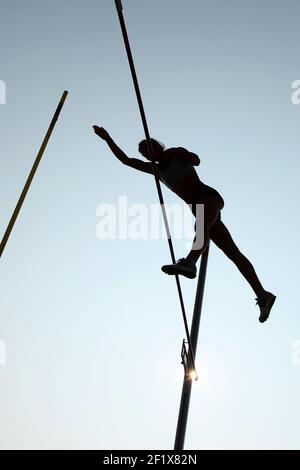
265,302
183,266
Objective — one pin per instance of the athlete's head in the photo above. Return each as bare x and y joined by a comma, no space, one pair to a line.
157,148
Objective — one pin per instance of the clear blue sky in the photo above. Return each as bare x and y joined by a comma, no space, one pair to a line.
92,328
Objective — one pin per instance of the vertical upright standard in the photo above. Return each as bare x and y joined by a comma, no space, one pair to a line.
186,357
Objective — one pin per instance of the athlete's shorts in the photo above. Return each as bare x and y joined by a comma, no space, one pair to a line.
201,195
202,192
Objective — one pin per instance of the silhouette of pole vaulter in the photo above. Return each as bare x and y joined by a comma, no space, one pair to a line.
156,177
176,170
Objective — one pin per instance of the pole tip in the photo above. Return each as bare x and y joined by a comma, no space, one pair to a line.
119,5
64,95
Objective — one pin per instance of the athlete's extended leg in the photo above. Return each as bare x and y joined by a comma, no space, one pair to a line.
220,235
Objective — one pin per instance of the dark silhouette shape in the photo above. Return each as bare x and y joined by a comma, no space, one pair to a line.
186,266
176,169
119,8
32,173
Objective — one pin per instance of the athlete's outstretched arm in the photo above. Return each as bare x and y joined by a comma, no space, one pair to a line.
132,162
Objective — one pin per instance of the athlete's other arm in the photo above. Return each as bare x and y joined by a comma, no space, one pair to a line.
132,162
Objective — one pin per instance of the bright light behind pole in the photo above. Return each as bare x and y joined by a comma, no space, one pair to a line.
193,375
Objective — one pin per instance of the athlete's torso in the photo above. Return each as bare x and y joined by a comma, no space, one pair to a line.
175,169
182,178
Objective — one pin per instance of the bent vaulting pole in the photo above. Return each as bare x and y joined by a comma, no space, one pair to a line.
187,381
119,8
32,173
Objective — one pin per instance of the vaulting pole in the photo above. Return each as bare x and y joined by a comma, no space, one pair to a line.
188,380
119,8
32,173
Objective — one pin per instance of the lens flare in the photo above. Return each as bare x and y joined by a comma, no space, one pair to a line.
193,375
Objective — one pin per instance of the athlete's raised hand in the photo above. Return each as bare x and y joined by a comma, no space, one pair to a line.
101,132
